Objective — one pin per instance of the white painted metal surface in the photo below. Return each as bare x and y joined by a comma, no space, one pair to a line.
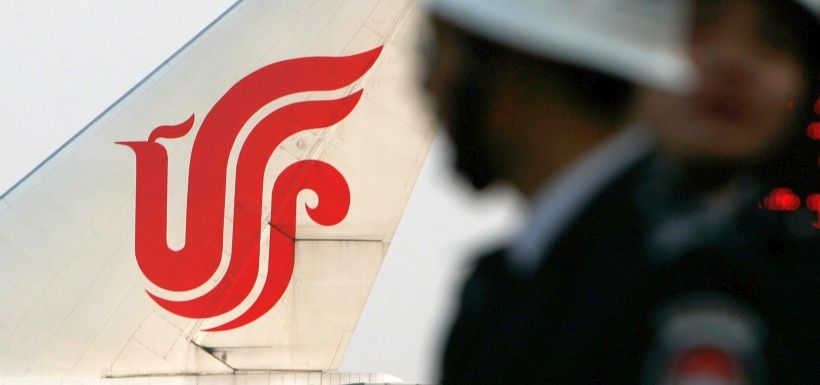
293,378
74,300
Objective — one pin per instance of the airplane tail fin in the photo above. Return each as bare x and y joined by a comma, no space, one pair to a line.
243,241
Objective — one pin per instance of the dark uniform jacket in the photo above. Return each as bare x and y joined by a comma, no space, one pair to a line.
594,311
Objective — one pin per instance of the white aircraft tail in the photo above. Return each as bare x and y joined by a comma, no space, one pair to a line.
229,214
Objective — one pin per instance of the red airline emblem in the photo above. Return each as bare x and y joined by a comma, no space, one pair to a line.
197,261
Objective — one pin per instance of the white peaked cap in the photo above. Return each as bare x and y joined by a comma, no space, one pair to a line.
812,5
638,40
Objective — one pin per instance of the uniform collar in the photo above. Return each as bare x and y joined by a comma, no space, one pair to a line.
560,200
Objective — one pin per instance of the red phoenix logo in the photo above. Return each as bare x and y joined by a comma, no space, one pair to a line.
198,260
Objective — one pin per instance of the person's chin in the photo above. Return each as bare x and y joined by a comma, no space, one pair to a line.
479,181
734,144
725,128
479,177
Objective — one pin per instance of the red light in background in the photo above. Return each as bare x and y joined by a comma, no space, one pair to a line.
781,199
814,130
813,203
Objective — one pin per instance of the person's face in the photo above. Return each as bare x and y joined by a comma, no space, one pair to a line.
750,80
442,61
458,106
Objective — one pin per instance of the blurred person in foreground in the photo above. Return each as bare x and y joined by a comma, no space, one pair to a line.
537,94
663,270
734,262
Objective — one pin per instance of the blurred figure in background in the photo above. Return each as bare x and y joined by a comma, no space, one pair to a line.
734,271
635,268
537,94
758,66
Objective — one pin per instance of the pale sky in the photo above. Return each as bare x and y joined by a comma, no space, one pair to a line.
64,62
